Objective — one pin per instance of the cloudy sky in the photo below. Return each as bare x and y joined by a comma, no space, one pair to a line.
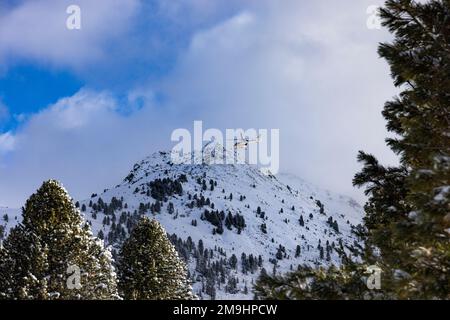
83,105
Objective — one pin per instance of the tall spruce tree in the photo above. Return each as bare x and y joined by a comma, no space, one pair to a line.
149,267
407,226
408,212
52,253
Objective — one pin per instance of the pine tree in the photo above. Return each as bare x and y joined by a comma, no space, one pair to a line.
149,267
297,251
233,261
311,284
4,279
408,215
52,240
301,221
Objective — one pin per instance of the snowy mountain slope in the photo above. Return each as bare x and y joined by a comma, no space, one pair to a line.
227,221
272,232
335,204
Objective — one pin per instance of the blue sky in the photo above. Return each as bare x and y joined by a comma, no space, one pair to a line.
153,36
26,89
83,105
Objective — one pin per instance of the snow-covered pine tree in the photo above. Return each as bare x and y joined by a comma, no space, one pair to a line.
149,267
4,281
23,266
408,213
44,255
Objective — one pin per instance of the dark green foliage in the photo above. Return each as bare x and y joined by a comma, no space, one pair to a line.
263,228
161,189
310,283
39,252
149,267
214,217
281,252
233,261
333,224
302,223
297,251
236,221
321,207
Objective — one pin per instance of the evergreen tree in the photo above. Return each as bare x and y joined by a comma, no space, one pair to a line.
233,261
408,209
4,280
297,251
311,283
149,267
53,247
301,221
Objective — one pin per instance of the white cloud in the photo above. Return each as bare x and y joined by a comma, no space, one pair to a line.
79,111
7,142
81,140
36,30
310,69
